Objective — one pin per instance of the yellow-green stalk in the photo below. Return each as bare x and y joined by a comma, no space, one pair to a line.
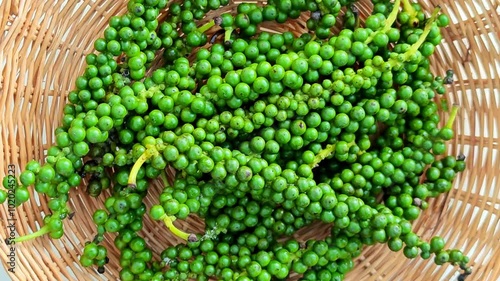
428,26
132,179
324,153
206,26
388,23
227,35
408,8
168,220
164,178
42,231
453,115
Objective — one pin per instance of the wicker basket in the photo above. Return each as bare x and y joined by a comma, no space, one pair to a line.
42,51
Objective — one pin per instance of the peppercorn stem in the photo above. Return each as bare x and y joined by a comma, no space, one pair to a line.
149,93
322,7
408,8
132,179
388,23
164,179
168,220
206,26
44,230
227,35
422,38
243,273
358,21
453,115
324,153
392,16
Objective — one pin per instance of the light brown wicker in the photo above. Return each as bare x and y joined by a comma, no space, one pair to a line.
42,49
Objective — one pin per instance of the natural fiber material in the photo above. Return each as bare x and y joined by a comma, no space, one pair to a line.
42,51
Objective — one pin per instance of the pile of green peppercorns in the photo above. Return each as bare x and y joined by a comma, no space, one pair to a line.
267,133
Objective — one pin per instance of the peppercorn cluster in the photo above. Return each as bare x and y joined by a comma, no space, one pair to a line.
267,133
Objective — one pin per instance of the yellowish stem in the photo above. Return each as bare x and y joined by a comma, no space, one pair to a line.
326,152
42,231
453,115
357,22
388,23
206,26
427,29
168,220
407,7
150,152
227,34
149,93
322,155
164,178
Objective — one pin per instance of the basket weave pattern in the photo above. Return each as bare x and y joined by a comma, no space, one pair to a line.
42,49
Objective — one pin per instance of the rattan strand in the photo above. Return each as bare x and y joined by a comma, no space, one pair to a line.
42,49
